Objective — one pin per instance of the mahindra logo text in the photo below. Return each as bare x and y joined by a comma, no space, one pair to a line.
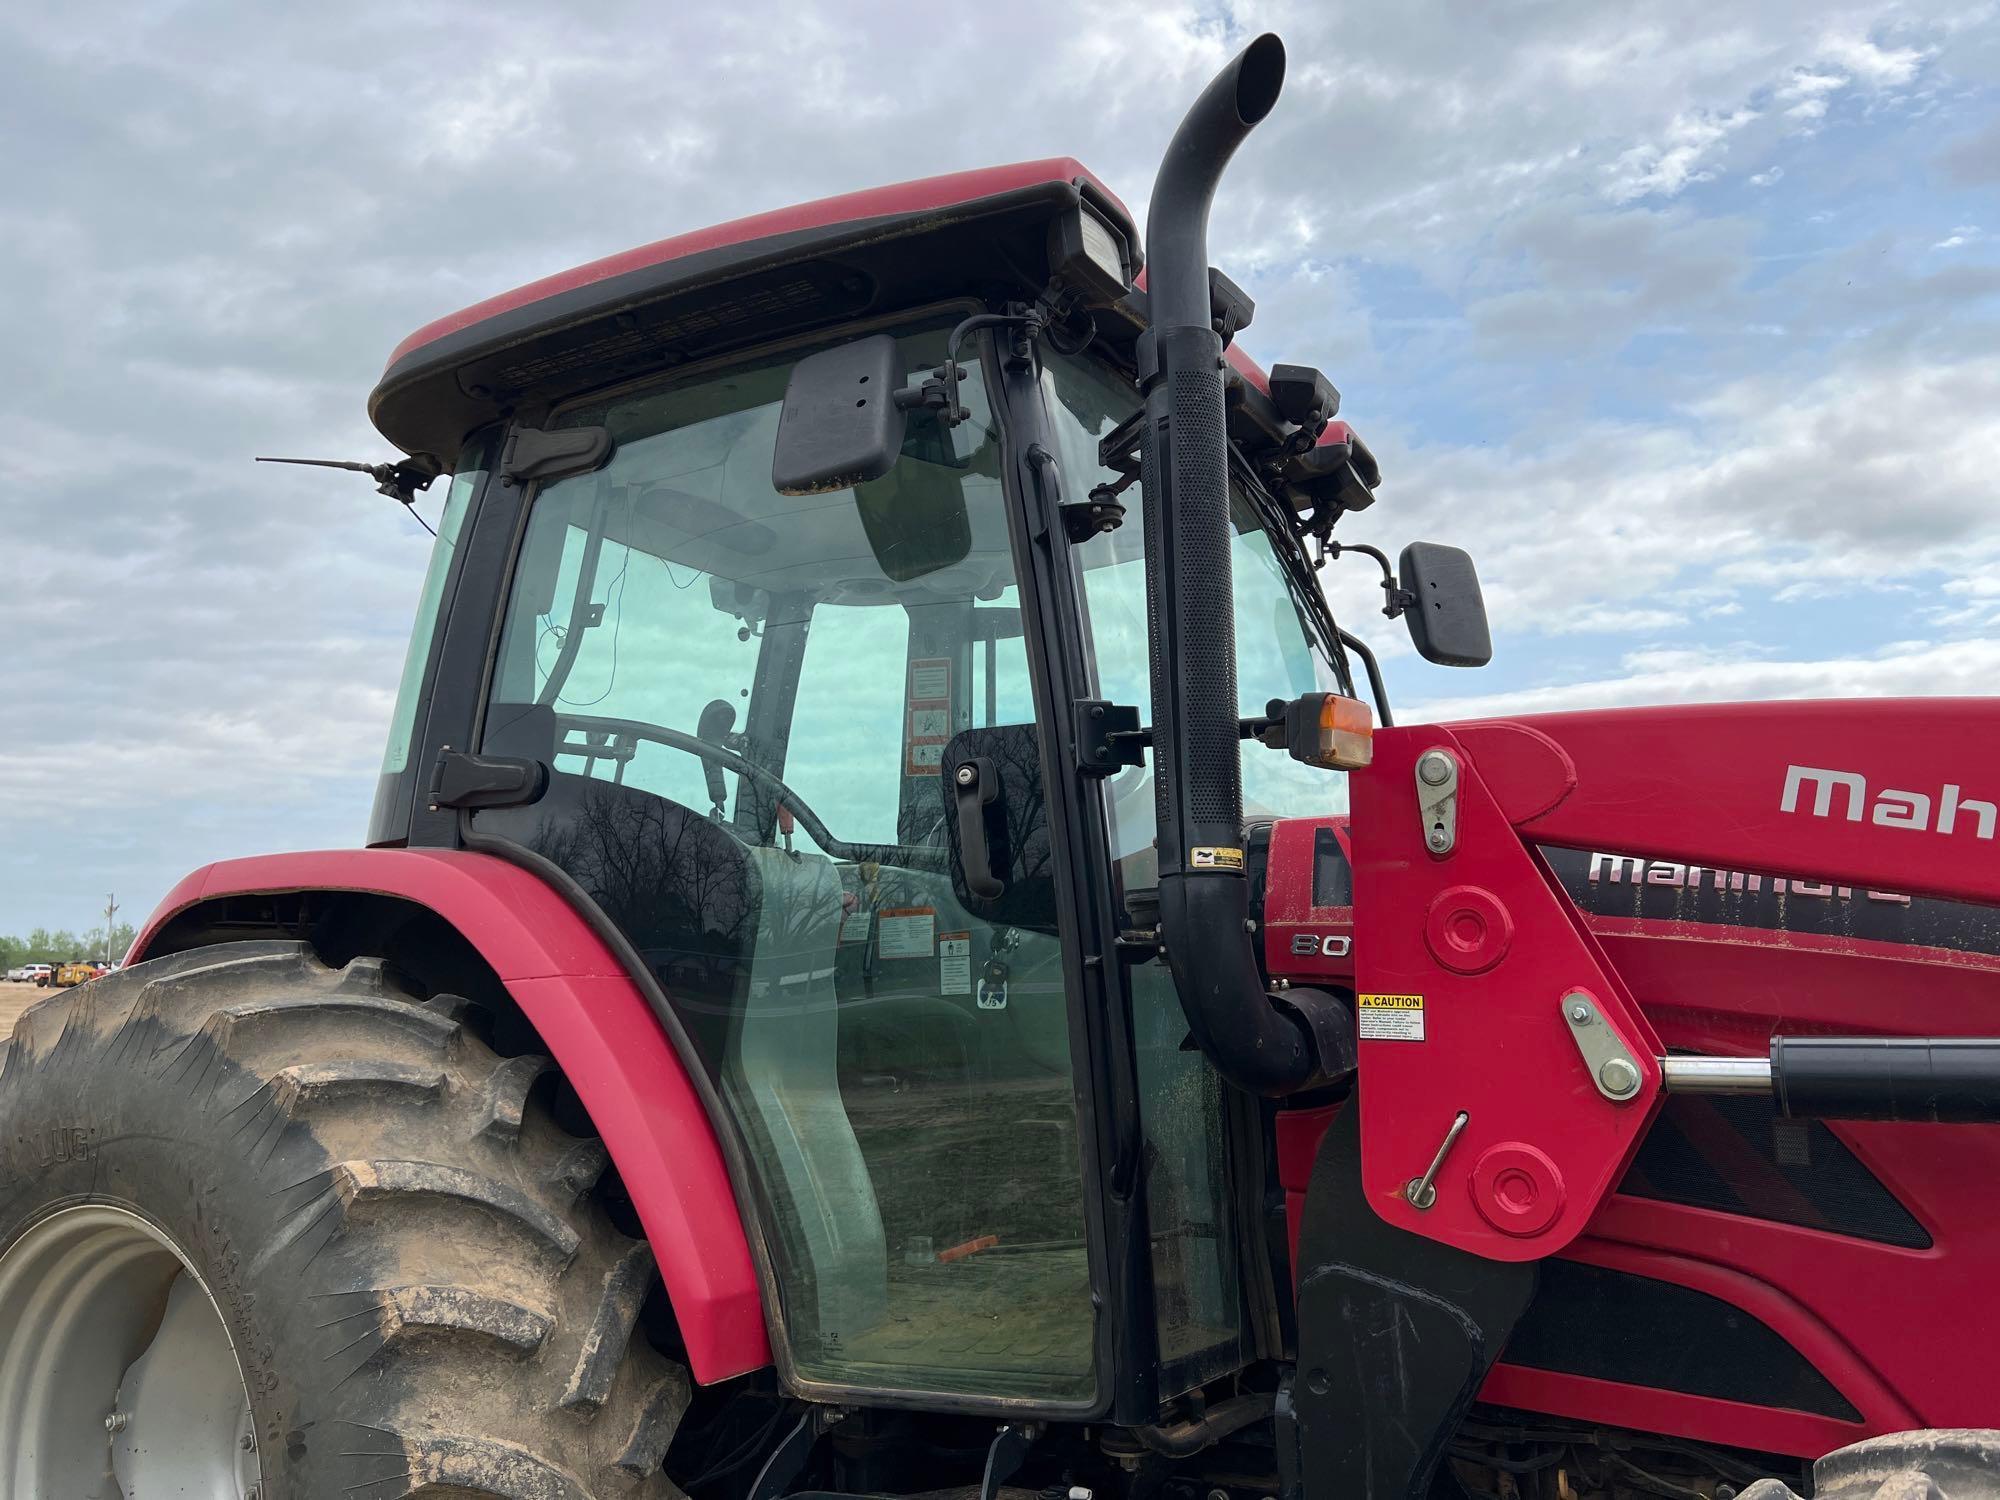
1889,808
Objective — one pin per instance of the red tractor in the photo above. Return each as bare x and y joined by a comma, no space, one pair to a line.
892,958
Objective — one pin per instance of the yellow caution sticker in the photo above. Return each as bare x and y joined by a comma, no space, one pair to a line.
1212,857
1390,1018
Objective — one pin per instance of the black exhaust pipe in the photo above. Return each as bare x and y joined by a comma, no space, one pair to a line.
1184,456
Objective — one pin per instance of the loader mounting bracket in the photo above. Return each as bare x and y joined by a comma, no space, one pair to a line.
1396,1334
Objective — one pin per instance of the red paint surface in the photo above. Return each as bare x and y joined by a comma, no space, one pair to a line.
1299,1132
1495,1045
603,1035
925,195
1708,780
1888,1326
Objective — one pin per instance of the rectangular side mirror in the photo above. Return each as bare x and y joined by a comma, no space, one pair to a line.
840,425
1445,612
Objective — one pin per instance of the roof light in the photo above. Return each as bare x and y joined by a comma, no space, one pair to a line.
1089,256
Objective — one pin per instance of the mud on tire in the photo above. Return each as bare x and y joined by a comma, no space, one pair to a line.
424,1294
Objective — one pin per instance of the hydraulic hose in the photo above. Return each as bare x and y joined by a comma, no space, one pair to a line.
1184,460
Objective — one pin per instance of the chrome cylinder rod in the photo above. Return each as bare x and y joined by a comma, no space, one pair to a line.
1716,1075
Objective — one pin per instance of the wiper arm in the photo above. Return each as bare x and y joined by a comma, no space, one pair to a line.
1299,579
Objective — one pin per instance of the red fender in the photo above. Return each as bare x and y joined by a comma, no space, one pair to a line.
601,1033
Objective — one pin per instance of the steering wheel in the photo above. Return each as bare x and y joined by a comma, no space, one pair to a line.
707,750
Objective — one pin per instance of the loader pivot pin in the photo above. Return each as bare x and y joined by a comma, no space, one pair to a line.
1422,1191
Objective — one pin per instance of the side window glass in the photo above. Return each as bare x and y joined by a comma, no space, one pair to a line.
465,483
848,717
1001,693
746,698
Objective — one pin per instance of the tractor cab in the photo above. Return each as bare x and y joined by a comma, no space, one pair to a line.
843,766
881,844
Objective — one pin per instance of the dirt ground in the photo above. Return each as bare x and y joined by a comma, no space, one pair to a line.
15,998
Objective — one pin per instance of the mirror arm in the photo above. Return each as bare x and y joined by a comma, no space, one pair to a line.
940,392
1395,600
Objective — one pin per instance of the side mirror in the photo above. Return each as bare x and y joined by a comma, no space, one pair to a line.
1442,605
840,425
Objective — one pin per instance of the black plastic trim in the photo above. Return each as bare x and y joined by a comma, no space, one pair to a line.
1604,1324
622,326
1103,1050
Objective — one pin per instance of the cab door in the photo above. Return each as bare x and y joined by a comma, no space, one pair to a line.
743,697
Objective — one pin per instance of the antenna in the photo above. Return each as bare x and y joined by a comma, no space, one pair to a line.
401,482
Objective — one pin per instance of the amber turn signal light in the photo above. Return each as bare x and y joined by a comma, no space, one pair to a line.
1324,729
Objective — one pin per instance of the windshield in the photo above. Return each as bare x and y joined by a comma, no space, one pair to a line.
1282,647
745,698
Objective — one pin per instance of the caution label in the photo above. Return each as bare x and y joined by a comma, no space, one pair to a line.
954,963
927,724
1390,1018
1215,857
906,932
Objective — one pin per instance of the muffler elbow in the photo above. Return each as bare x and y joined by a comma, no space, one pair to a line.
1235,100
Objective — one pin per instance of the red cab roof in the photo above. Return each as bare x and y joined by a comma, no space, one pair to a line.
899,200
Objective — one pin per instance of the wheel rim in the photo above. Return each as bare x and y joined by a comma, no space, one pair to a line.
117,1374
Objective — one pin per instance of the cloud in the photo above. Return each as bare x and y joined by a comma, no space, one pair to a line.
1915,669
1665,166
221,218
1871,65
1855,478
1972,160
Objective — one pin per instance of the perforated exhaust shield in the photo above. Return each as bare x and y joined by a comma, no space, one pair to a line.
1198,786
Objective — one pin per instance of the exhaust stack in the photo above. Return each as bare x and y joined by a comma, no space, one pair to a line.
1184,457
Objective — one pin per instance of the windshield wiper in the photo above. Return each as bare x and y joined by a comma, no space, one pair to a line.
1300,579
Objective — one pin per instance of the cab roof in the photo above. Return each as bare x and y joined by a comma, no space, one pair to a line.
735,284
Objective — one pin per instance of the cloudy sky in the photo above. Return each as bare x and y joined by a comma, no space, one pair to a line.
1681,315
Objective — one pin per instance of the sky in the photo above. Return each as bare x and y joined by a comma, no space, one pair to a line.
1680,316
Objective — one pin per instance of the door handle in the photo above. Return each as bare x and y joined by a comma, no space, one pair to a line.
974,785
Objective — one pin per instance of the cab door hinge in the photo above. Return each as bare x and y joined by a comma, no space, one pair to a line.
533,454
475,781
1108,736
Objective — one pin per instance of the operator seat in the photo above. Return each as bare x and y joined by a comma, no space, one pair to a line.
785,1070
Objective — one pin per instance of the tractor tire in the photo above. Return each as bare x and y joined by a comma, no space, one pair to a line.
422,1292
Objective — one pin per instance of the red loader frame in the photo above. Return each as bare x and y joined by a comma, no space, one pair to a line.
1877,797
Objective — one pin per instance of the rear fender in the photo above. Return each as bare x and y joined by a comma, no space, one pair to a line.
599,1029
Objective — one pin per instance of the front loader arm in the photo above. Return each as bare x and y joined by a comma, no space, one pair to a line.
1471,961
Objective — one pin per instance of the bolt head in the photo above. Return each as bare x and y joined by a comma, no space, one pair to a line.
1619,1077
967,775
1434,768
1438,841
1579,1012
